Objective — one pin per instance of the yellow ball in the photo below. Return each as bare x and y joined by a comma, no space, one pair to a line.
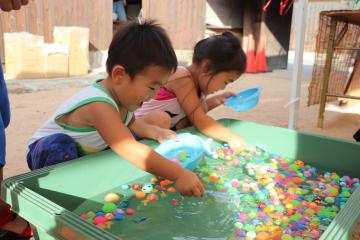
289,206
112,197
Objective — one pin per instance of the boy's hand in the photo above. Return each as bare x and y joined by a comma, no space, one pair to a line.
236,143
8,5
189,184
162,134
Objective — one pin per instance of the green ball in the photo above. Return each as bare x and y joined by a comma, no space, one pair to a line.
333,191
286,237
232,190
221,181
294,167
219,187
280,208
238,225
329,200
253,214
295,203
346,194
206,179
249,227
109,207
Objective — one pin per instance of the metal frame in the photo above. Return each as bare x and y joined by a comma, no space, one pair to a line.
327,70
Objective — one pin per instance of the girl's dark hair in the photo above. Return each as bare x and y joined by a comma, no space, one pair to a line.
139,45
224,52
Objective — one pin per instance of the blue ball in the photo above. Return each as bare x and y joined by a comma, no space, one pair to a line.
124,204
100,214
301,227
119,217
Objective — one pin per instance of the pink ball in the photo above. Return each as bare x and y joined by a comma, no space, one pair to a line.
261,214
243,216
315,233
235,184
280,214
239,233
99,220
277,179
284,165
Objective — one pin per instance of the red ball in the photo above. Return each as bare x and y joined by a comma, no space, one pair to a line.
290,212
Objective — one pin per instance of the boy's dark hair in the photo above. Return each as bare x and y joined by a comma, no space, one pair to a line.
139,45
224,52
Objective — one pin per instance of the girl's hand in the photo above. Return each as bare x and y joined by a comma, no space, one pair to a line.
189,184
219,99
223,96
162,134
236,143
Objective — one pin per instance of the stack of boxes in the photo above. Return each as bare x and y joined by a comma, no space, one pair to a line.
26,55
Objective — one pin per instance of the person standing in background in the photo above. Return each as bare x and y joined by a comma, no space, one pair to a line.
119,9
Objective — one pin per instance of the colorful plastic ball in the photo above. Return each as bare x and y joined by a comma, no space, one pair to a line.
147,188
119,217
124,204
130,211
99,220
140,194
109,207
112,197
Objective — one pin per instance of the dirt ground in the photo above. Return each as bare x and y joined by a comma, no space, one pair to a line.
31,110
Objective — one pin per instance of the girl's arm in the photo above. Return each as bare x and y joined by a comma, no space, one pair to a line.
218,99
145,130
185,92
109,124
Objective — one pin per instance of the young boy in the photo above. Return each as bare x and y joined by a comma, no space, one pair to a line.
140,60
12,227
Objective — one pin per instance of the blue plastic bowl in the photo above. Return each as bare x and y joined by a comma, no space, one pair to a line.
244,101
193,145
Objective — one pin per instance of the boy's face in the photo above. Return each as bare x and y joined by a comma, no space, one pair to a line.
219,81
143,86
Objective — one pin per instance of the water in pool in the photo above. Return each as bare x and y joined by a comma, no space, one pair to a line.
252,195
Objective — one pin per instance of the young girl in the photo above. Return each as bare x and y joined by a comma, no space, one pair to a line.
140,60
217,61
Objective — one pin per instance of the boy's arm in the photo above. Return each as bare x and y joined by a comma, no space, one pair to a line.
192,106
145,130
109,124
4,101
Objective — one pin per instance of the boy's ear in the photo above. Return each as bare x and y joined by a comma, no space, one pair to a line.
118,74
205,66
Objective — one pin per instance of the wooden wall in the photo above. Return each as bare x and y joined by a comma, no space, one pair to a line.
184,20
40,17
